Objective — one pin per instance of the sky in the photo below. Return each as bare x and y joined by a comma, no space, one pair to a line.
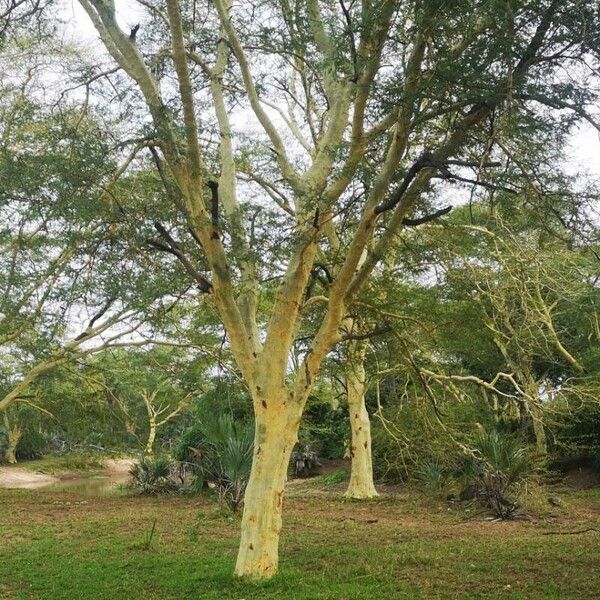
584,148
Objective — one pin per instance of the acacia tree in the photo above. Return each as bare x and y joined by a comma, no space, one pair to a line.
513,310
523,296
59,297
377,99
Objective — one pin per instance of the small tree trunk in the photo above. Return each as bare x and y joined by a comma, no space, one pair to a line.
536,412
538,428
14,437
151,437
275,435
361,484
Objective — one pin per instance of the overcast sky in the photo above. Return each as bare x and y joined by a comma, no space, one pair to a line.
583,154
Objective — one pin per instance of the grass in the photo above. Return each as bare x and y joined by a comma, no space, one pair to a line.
55,546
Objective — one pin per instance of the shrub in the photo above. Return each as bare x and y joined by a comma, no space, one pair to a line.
325,429
577,434
220,453
432,474
34,444
153,476
499,463
335,477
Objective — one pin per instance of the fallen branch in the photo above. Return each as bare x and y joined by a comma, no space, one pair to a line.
572,532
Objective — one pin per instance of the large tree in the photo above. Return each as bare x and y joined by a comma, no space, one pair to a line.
354,112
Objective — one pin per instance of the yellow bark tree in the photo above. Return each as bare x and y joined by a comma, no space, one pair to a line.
368,88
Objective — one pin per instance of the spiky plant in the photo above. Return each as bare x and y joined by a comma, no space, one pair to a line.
222,457
501,463
432,474
152,475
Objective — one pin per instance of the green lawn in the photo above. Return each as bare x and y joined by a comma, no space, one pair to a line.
53,546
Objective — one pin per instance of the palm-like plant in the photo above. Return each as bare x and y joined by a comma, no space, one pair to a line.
222,457
500,463
432,473
152,475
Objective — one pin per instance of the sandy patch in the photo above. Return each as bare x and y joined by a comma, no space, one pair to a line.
15,477
118,465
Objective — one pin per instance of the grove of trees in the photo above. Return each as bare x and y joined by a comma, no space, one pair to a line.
275,208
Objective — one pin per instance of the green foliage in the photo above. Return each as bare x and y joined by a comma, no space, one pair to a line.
432,474
324,428
34,443
219,449
335,477
577,433
152,476
500,464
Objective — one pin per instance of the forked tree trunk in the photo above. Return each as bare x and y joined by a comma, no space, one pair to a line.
275,435
361,484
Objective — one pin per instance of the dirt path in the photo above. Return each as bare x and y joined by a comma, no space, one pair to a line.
117,465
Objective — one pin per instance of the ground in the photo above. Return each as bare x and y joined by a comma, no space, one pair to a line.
59,545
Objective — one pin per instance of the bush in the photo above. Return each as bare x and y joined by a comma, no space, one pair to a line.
577,435
34,444
432,474
153,476
475,465
335,477
219,450
325,429
500,463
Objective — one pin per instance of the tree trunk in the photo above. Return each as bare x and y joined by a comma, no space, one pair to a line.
275,435
538,428
151,437
536,412
361,484
14,437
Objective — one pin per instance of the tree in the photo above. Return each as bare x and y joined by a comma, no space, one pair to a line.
69,287
513,314
522,294
361,483
383,98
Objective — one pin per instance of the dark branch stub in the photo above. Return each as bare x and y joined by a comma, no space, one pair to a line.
133,32
214,202
426,161
103,310
427,218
